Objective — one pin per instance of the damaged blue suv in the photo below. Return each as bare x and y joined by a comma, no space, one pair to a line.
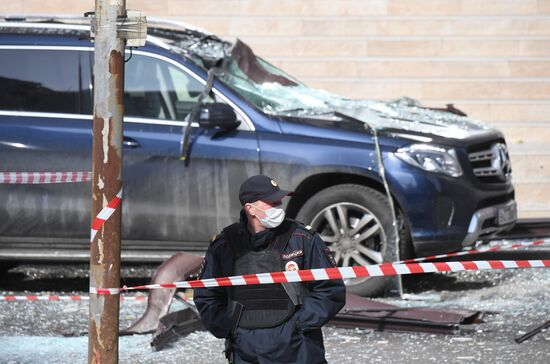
448,177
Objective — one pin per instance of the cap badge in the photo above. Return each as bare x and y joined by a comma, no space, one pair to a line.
274,183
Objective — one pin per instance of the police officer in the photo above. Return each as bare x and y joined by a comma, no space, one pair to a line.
274,323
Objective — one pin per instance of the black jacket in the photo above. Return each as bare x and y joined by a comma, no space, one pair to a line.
304,248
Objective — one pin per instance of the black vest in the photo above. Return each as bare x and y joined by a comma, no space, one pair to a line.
266,305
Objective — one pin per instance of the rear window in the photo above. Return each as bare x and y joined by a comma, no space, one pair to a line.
40,81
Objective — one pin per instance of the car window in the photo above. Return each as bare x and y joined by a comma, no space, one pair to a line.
156,89
40,81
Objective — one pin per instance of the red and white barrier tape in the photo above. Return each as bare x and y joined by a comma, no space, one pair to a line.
44,177
64,298
12,298
104,214
481,250
322,274
63,177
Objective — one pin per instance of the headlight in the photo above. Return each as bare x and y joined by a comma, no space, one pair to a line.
431,158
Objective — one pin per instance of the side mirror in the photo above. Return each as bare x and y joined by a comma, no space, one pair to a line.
218,115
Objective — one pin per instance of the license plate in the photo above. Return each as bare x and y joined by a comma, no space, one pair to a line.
506,215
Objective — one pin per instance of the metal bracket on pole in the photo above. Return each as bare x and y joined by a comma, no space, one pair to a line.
132,27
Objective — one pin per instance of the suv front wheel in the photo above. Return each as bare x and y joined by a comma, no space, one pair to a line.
355,223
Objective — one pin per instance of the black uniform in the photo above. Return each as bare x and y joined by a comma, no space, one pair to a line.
299,338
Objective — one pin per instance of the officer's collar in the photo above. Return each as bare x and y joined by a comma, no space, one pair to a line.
259,237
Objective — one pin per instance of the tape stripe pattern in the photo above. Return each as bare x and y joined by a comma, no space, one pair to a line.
44,177
106,291
474,251
65,298
104,214
386,269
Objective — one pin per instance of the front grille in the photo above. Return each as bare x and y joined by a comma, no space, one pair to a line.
491,162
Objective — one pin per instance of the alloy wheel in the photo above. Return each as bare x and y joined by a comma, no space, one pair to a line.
354,235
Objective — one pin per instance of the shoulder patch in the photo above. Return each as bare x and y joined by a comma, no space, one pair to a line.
293,254
303,231
216,241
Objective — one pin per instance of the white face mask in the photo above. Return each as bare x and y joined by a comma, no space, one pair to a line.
273,217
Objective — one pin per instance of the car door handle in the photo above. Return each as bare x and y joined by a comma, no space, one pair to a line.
130,143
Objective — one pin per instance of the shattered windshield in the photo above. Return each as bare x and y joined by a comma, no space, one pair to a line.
277,93
275,98
269,88
257,81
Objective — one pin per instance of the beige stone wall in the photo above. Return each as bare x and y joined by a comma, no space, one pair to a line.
489,57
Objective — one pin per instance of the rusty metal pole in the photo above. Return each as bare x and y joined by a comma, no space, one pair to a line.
107,179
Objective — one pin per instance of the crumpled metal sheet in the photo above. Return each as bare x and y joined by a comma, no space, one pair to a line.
528,228
174,326
356,304
251,66
360,312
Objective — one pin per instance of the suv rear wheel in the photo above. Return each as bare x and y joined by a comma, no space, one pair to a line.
356,224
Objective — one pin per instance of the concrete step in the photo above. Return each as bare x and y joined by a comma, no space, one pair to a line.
468,7
434,89
526,134
330,8
373,26
531,167
505,111
433,47
372,68
532,194
527,211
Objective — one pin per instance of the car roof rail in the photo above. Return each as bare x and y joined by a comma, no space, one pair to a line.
45,18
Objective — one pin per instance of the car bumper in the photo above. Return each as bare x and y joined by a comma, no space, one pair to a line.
490,221
460,213
483,225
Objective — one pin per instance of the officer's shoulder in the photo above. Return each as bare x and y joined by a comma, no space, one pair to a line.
217,241
303,229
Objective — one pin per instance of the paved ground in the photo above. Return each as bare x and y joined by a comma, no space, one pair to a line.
51,332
